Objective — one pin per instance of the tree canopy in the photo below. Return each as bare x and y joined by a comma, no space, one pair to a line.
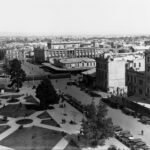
17,74
46,93
96,126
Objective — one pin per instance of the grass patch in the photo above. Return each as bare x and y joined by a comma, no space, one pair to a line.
2,121
50,122
10,96
33,138
72,146
13,100
16,111
4,128
24,121
31,99
44,115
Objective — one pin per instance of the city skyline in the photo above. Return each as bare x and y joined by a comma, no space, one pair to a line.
74,17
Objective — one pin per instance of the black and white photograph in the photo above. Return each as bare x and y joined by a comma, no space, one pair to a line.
74,74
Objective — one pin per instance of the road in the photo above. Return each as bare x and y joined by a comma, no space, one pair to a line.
125,121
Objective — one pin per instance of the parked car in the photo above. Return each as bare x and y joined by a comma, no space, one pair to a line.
145,119
128,111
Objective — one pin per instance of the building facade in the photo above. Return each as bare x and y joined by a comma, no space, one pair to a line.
19,54
72,63
110,73
147,74
138,77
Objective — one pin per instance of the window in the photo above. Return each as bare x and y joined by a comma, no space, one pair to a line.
140,82
147,59
134,79
148,68
134,64
139,64
140,91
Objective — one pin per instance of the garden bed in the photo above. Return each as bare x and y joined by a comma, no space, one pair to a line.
4,128
44,115
31,99
16,110
13,100
24,121
10,96
50,122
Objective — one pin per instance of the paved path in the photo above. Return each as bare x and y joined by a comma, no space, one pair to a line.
61,144
5,148
8,132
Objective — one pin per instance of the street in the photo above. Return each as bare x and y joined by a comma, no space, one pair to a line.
119,118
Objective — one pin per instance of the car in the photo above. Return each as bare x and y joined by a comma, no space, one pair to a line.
144,119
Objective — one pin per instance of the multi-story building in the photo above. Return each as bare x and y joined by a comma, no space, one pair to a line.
147,73
111,70
135,77
138,80
65,50
110,73
90,52
63,45
19,54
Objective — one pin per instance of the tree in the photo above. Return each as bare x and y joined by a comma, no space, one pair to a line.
17,74
46,94
97,126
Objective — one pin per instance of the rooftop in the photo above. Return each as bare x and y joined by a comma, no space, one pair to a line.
76,60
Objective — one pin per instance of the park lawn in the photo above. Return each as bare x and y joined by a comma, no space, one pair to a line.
72,146
50,122
3,121
33,138
16,110
4,128
44,115
10,96
31,99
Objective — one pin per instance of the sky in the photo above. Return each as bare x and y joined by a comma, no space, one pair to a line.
75,17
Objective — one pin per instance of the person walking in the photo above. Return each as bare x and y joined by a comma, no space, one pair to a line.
142,132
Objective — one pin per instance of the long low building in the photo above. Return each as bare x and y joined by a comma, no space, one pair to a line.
69,63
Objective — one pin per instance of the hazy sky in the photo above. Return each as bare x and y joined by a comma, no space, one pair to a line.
75,16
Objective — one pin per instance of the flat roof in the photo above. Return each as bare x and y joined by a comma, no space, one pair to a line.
89,72
76,60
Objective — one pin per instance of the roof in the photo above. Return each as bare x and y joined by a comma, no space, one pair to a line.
76,60
89,72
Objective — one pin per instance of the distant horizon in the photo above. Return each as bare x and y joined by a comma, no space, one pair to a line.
10,34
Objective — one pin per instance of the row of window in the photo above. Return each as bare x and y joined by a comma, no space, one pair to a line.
88,64
136,65
133,79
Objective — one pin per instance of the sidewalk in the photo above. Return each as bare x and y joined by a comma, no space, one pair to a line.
61,144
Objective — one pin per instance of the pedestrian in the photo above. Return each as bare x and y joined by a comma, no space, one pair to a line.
142,132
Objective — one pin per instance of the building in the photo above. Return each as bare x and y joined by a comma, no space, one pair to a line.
135,82
90,52
70,63
110,73
62,45
135,78
40,54
138,76
19,54
147,73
